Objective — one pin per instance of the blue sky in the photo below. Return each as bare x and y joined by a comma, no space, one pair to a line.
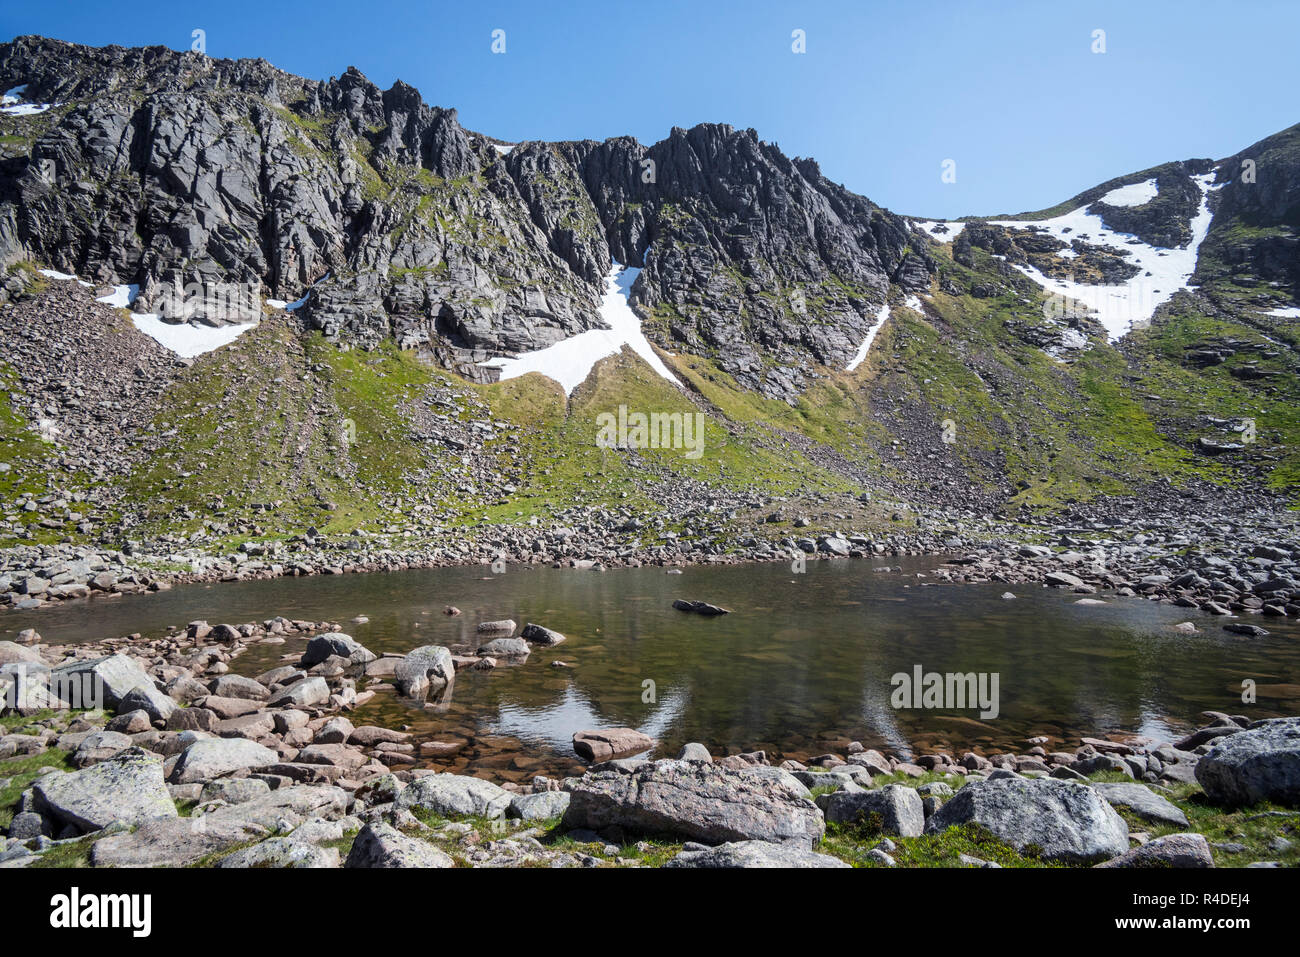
886,91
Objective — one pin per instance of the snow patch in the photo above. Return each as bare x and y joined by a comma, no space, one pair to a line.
1286,312
953,230
570,361
121,296
187,340
55,274
863,349
503,150
1161,272
1136,194
11,105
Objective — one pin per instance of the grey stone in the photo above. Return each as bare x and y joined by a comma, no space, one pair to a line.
894,809
382,845
127,788
1261,763
701,802
1061,820
757,854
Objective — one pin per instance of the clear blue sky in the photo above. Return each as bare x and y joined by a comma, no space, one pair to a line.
886,91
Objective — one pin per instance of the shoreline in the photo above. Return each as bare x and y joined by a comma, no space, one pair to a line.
228,749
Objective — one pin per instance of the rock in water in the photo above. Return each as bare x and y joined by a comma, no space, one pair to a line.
428,668
1061,820
754,854
610,742
335,643
1261,763
127,788
699,607
505,648
541,636
700,802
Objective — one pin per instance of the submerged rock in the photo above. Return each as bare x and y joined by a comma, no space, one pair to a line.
699,607
610,742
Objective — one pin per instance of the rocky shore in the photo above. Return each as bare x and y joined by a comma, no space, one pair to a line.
1244,564
154,752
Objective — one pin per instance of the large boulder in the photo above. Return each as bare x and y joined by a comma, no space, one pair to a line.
382,845
150,700
97,682
701,802
893,809
505,648
1143,802
11,654
753,854
541,806
452,795
1261,763
127,788
1059,820
335,643
610,742
428,668
213,757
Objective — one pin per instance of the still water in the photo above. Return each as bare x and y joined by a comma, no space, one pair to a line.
801,666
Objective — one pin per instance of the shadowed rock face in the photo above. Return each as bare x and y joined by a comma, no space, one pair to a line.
165,169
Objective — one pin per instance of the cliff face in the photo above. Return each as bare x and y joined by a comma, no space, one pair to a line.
161,168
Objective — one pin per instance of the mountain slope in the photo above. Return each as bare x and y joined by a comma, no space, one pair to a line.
430,250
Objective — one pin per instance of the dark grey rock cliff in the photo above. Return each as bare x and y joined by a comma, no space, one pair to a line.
162,168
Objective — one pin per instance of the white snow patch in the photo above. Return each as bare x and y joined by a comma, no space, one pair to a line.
1136,194
187,340
503,150
121,296
953,230
1161,272
55,274
277,303
861,354
1286,312
11,105
570,361
913,303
